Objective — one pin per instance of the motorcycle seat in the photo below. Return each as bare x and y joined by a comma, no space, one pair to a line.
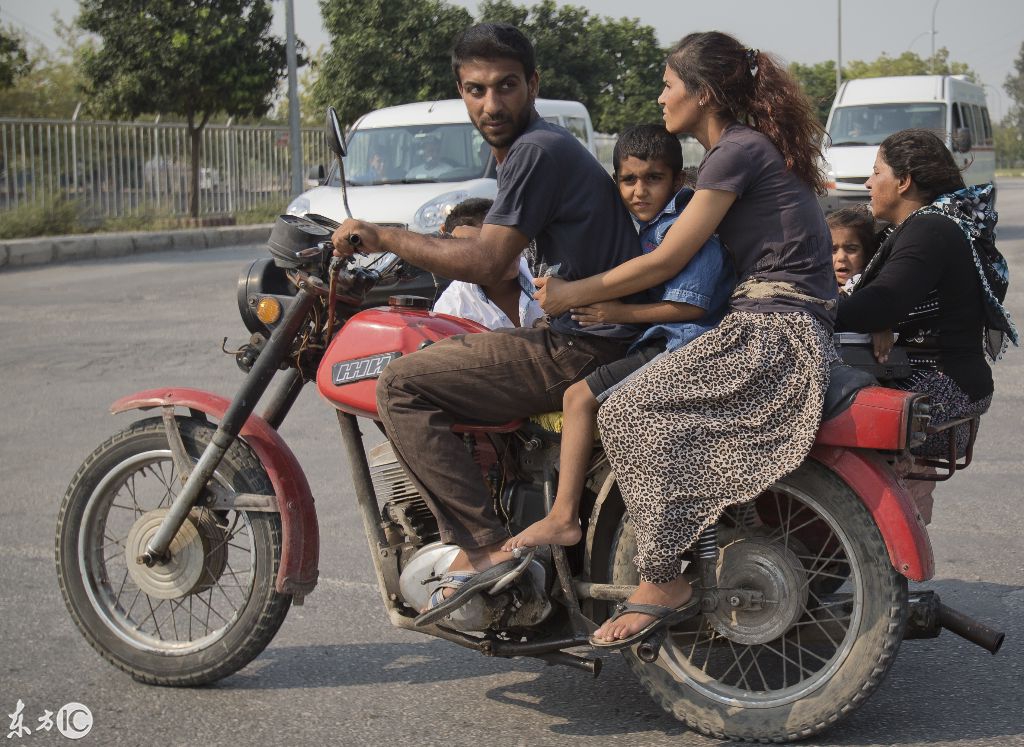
844,383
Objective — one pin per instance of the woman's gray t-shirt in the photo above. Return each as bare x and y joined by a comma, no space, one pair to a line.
775,229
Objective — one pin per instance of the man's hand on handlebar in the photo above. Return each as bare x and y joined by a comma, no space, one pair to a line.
354,236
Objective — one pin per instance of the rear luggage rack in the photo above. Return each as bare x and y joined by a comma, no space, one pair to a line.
950,463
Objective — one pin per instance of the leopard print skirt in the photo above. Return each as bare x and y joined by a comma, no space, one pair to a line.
712,424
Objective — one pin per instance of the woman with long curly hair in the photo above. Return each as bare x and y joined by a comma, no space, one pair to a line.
718,421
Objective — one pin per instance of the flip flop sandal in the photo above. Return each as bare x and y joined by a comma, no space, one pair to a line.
455,580
467,584
665,617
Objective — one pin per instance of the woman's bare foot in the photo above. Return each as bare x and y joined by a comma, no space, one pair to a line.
673,594
551,530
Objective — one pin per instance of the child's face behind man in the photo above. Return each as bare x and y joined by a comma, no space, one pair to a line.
646,186
848,255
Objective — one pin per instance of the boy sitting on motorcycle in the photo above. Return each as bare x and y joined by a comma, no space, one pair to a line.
507,303
648,163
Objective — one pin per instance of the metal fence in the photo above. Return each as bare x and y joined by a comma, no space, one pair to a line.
117,169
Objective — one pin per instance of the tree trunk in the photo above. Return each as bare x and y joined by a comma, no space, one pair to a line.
195,153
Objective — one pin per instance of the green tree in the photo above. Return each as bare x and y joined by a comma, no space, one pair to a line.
310,113
386,52
193,58
613,66
819,84
13,57
1009,144
1009,136
908,63
52,85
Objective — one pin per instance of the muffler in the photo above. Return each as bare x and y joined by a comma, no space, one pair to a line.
927,616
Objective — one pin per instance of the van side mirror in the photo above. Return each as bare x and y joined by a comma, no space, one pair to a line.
962,140
335,136
316,174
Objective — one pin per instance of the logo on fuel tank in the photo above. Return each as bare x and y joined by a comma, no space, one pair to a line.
347,372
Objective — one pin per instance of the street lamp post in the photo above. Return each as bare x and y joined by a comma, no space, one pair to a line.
839,44
932,63
294,137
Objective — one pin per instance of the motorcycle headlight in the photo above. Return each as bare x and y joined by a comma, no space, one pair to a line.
298,206
430,217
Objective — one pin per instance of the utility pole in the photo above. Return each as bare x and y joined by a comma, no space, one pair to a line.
839,44
295,136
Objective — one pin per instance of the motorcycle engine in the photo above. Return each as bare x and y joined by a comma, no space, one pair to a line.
523,605
425,558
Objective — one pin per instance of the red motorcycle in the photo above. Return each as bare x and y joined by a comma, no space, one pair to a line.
183,540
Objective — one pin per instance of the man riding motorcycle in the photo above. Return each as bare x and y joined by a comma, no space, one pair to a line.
550,188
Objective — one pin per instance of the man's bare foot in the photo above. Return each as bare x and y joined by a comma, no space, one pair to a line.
550,530
673,594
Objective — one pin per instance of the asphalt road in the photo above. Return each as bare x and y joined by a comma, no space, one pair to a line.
76,337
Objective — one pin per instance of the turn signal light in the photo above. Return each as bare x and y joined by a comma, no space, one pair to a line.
268,310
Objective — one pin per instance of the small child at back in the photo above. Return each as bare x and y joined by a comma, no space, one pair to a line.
508,303
854,243
648,164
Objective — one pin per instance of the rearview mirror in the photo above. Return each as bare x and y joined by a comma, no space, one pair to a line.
335,137
962,140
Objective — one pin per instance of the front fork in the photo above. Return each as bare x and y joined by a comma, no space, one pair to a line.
244,402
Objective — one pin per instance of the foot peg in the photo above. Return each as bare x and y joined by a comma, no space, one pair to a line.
650,647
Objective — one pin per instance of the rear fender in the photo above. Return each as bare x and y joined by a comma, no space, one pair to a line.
868,475
300,536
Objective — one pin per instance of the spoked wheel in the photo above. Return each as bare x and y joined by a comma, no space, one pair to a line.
810,619
202,615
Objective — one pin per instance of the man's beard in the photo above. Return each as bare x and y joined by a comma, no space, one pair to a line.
505,140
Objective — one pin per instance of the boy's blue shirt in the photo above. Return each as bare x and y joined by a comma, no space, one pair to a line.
707,280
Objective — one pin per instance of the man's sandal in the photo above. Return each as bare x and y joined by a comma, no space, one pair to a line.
467,584
664,617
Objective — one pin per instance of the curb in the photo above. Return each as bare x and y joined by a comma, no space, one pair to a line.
54,249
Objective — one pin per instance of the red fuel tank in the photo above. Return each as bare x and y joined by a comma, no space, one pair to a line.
370,340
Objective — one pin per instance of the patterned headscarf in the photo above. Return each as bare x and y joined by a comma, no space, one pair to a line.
971,209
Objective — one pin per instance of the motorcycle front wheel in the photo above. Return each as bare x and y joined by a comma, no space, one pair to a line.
213,607
823,639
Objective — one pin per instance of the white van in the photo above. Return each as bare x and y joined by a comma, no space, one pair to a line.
867,110
408,165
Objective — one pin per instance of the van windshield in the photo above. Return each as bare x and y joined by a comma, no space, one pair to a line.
413,154
872,123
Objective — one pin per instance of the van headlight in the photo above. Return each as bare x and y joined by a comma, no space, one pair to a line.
298,206
430,217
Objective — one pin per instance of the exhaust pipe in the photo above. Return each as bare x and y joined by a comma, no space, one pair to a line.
593,666
975,632
927,616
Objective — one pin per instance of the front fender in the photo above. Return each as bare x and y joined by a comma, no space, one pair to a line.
867,474
300,534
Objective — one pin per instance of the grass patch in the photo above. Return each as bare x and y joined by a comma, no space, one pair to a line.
54,216
266,212
147,219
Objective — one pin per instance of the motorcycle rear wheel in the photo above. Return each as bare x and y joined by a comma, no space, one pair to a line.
829,656
158,628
